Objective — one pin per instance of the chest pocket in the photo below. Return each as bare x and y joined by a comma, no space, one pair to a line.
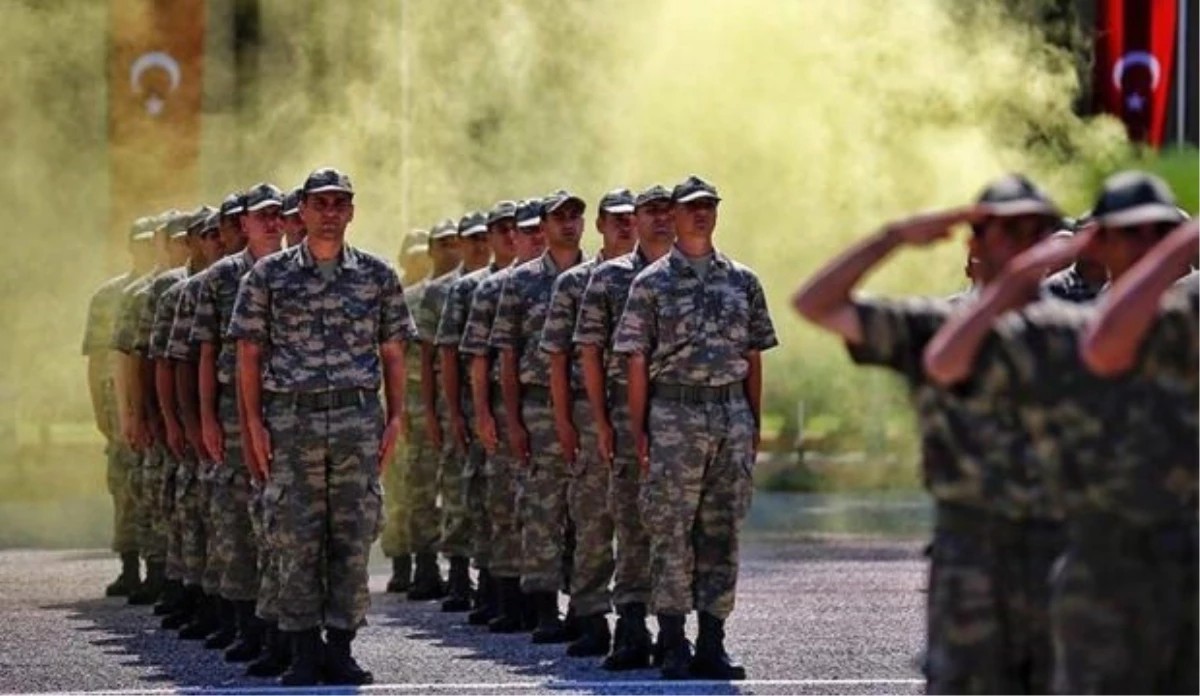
679,320
291,313
537,309
359,316
733,317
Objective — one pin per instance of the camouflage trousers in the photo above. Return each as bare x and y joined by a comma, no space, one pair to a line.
421,460
456,518
1124,609
500,490
152,504
323,509
395,538
631,578
122,476
987,614
211,580
173,532
693,501
234,553
591,558
543,501
267,600
191,513
475,482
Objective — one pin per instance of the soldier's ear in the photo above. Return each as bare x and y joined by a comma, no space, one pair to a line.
351,218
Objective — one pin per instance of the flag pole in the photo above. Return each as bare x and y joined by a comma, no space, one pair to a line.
1181,75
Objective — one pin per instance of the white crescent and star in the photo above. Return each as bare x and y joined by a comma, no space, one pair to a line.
148,61
1136,101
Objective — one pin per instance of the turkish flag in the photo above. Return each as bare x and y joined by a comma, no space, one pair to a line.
156,88
1135,66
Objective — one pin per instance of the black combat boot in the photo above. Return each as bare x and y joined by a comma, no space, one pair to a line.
572,628
401,579
549,625
427,579
152,588
460,585
307,651
189,604
486,597
250,634
206,620
275,656
595,638
677,651
341,669
631,650
529,615
711,661
128,581
227,629
168,601
508,607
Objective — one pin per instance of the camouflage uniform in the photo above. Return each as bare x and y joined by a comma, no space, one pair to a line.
587,491
998,529
122,461
474,481
694,334
397,539
1069,285
520,315
501,473
1121,457
321,377
238,547
599,311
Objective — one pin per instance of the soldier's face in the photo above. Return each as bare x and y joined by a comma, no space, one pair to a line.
209,247
500,236
232,236
293,229
617,230
476,250
655,223
327,214
416,267
564,226
696,218
264,227
1120,247
178,250
445,252
529,242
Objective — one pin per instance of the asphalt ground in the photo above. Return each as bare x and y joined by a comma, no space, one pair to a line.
816,615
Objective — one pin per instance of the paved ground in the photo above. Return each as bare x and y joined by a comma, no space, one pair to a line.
814,616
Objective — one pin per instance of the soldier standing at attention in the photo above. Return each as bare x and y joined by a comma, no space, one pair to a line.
519,239
575,423
471,487
427,444
243,553
694,328
605,377
525,381
319,327
415,266
121,461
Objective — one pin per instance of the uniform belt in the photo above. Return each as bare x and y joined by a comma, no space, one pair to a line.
322,400
688,394
541,394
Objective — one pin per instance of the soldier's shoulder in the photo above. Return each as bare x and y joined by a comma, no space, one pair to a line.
741,271
373,262
115,284
473,278
496,279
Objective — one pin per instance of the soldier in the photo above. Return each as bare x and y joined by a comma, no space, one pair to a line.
424,454
575,425
467,488
102,315
293,226
997,532
605,377
525,382
320,327
241,546
521,240
694,328
415,266
1083,279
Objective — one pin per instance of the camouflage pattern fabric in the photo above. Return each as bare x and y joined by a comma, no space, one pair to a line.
559,330
191,515
1069,285
521,315
230,511
394,540
587,506
180,345
475,481
421,461
214,309
267,605
168,526
133,299
213,572
501,490
478,329
103,312
601,307
166,315
146,320
542,508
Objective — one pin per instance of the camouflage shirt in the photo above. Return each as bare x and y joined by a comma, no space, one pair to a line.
694,331
133,299
164,319
317,334
145,326
1069,285
601,307
478,330
214,308
1108,445
521,314
453,321
180,345
559,331
102,314
429,312
412,350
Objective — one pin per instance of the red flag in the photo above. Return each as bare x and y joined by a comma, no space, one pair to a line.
155,86
1135,63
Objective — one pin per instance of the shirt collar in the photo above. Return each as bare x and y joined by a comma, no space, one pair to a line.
679,261
347,257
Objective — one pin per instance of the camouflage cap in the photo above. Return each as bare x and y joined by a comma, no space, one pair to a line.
693,188
657,192
1014,195
617,201
176,223
1133,198
502,211
471,224
212,225
442,229
233,205
415,243
195,222
327,179
529,213
560,198
291,202
262,196
143,228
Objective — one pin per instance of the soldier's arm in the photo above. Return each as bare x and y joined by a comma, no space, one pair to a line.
510,386
556,341
392,356
187,392
591,358
164,384
1112,340
639,392
826,299
480,388
208,385
592,331
753,387
451,383
95,379
249,367
147,408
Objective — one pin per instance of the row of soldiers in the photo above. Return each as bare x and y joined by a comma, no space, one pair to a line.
1058,424
550,408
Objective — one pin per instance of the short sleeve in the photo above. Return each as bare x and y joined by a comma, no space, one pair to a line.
251,309
762,329
395,320
560,318
206,321
895,333
508,316
635,330
593,325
